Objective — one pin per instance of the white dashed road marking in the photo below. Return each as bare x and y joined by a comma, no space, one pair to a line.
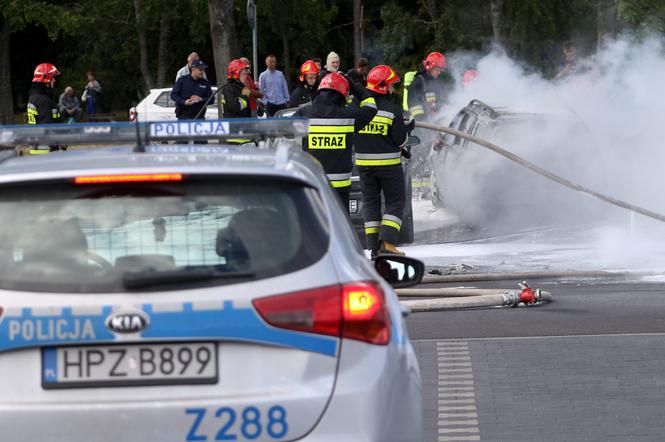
457,417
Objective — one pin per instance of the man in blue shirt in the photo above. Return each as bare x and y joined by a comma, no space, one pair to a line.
191,92
273,85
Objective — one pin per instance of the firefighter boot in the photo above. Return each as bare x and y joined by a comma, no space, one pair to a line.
390,249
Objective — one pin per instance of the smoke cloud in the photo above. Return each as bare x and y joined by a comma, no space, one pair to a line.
601,127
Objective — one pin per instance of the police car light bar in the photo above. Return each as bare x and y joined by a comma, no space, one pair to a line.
183,130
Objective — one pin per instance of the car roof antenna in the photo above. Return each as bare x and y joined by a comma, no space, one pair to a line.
140,145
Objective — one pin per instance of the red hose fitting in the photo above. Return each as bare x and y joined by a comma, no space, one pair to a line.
528,296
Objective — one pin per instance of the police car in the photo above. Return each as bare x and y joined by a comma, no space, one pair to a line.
158,106
176,292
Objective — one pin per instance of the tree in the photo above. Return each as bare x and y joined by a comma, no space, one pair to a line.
496,9
607,20
143,45
6,100
643,15
223,33
357,29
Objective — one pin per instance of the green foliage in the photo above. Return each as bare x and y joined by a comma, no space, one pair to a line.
643,15
102,35
536,29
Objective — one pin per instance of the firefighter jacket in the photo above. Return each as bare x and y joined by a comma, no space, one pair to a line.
42,109
379,143
331,128
302,94
234,103
183,90
425,95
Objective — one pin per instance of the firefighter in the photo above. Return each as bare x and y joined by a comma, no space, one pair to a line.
306,91
424,100
235,95
426,90
331,128
379,150
42,109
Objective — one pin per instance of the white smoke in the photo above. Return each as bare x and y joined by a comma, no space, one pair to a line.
602,127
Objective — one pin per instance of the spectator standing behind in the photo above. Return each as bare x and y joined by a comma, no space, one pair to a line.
70,109
359,73
91,95
317,62
570,58
254,92
332,64
187,69
191,92
306,91
273,85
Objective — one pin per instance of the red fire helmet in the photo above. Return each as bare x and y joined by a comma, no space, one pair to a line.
380,78
335,82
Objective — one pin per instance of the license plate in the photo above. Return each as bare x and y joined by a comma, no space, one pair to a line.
132,364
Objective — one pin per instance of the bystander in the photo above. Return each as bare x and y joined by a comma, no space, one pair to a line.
92,95
359,73
254,92
69,107
187,69
273,85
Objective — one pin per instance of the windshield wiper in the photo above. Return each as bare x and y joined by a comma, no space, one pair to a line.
135,280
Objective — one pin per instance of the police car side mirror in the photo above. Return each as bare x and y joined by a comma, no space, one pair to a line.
412,140
399,271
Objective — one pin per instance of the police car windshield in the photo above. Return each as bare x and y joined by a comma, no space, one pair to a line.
96,238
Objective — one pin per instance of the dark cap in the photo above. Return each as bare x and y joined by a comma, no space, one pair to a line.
198,64
362,62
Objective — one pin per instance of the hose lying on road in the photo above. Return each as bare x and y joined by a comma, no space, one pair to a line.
480,277
539,170
448,292
507,298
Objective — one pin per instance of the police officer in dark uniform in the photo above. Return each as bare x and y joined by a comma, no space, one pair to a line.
191,93
42,108
306,90
379,150
331,127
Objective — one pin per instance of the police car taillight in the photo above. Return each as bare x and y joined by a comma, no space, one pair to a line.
354,311
133,178
365,315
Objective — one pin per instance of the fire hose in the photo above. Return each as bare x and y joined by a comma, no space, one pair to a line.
456,298
540,171
462,298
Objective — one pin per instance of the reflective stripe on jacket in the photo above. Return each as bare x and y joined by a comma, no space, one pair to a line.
379,143
331,131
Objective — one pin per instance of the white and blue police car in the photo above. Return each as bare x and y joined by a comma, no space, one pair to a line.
175,292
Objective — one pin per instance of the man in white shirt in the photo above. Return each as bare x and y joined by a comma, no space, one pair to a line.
187,69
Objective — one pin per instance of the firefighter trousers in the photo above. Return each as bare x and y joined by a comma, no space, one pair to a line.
388,180
344,194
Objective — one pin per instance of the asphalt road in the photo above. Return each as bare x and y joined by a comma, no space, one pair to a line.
589,366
